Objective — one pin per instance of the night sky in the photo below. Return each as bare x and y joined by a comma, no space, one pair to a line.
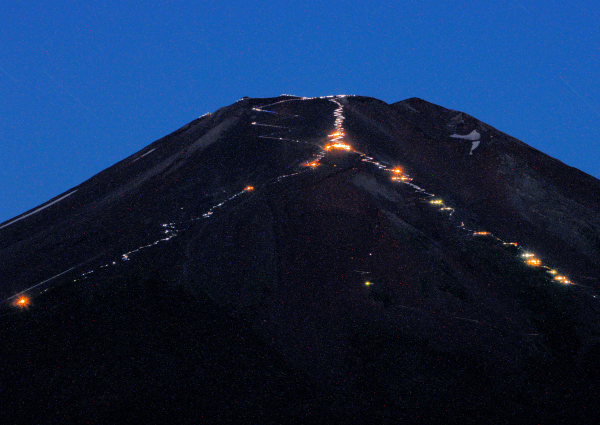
85,84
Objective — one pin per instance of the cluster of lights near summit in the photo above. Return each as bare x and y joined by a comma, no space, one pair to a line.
335,142
336,139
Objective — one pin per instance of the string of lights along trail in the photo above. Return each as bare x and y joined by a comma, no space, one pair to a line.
336,141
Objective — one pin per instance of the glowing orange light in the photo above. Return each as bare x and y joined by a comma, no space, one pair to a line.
337,133
562,279
249,188
510,243
367,283
338,145
553,272
533,262
397,170
401,178
21,302
313,164
481,233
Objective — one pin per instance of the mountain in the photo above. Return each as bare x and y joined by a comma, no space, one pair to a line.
309,259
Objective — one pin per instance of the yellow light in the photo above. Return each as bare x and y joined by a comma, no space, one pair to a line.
249,188
510,243
337,133
397,170
553,272
338,145
562,279
527,255
481,233
436,201
367,283
401,178
533,262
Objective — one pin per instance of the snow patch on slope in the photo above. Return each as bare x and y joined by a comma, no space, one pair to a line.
149,152
38,210
474,136
474,146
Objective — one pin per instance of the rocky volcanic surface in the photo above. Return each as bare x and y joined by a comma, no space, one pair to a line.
334,258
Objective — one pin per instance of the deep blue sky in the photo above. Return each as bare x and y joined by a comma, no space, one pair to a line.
84,84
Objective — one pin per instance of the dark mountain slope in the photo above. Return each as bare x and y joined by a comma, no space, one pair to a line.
271,262
509,188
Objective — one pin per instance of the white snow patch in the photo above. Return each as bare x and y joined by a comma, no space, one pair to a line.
140,157
473,135
411,108
149,152
38,210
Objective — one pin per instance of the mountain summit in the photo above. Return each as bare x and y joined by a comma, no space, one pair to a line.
295,258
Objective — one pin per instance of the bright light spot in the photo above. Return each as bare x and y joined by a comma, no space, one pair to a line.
249,188
533,262
510,243
436,201
367,283
338,145
552,272
481,233
528,255
21,302
337,133
397,170
401,178
313,164
562,279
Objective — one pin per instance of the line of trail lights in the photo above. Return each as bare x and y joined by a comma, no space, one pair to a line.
170,229
336,138
529,259
397,175
335,142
